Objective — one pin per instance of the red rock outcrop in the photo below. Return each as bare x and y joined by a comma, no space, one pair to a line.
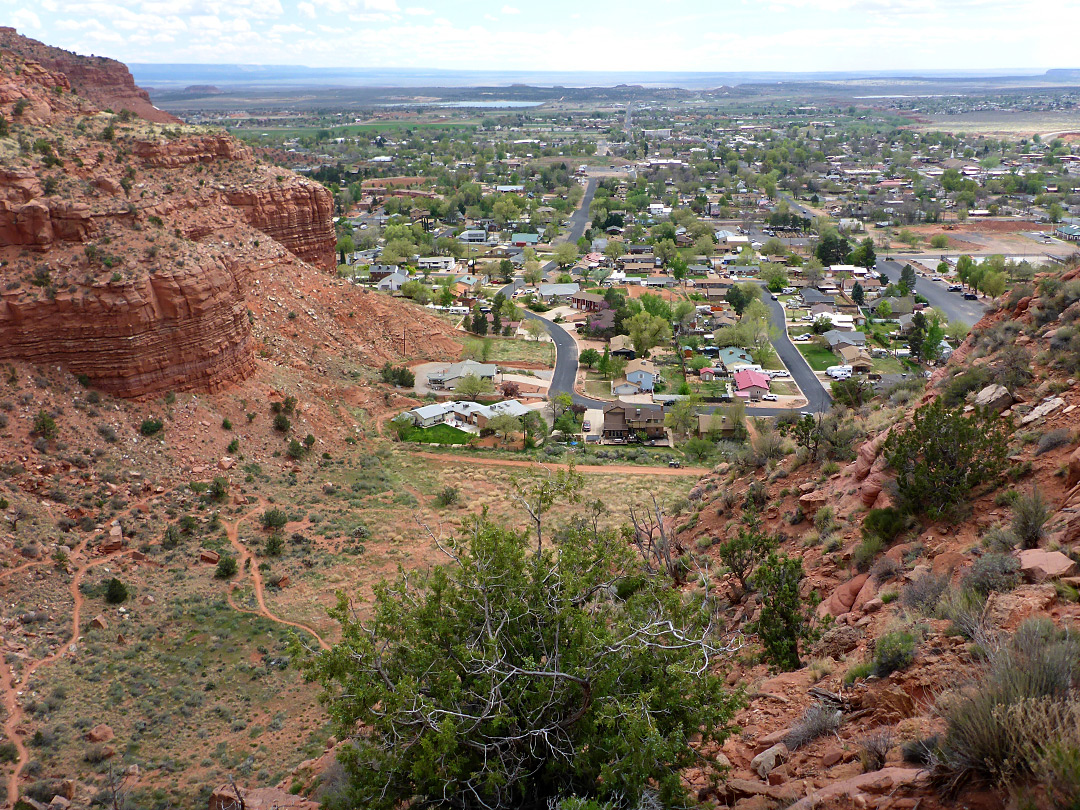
299,215
158,332
105,82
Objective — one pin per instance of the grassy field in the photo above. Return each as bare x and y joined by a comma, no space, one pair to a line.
511,350
818,358
1005,122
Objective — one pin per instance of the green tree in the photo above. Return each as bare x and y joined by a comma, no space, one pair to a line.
863,255
832,249
472,387
647,331
665,251
775,277
589,357
565,254
505,425
744,552
858,295
908,278
993,283
116,591
1055,212
682,416
784,620
943,454
939,241
884,310
345,246
517,678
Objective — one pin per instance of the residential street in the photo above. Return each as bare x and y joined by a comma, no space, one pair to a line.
955,307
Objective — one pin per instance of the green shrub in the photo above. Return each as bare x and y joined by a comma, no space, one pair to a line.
275,545
784,621
866,552
742,553
151,427
233,447
1020,711
884,523
894,651
226,568
447,496
44,426
116,591
1030,513
944,454
274,518
226,424
817,721
218,489
857,671
993,572
282,423
295,450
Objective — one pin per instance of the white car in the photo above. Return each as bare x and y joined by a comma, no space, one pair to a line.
769,397
782,373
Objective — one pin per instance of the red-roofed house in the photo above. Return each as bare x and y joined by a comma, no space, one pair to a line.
751,383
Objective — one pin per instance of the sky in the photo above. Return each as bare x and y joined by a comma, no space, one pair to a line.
630,35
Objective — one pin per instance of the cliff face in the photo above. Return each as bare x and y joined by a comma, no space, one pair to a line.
147,335
105,82
128,254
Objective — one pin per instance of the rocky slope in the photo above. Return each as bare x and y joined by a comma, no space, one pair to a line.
106,83
133,254
807,734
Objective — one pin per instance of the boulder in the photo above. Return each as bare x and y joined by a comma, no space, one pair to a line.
947,562
226,463
1039,565
208,556
995,397
887,780
767,760
270,798
1072,478
1044,408
1008,610
99,623
812,501
838,640
100,733
843,597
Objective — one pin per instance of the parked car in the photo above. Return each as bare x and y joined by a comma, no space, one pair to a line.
956,288
586,426
971,296
782,373
674,463
769,397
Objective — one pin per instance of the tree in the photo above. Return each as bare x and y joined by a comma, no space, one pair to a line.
517,678
939,241
534,328
472,387
506,270
345,246
738,296
565,254
993,283
864,255
917,334
505,425
532,273
908,278
614,250
775,277
589,357
1055,212
116,592
884,310
943,454
479,321
561,403
832,249
784,620
858,295
682,416
647,331
742,553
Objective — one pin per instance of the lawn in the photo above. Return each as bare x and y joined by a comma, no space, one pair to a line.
511,350
819,358
440,434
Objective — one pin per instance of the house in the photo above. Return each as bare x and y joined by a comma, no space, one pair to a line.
838,339
856,357
557,292
449,377
810,296
602,321
625,421
427,415
622,346
436,262
392,282
473,236
712,423
821,309
710,374
525,239
465,413
750,383
380,271
898,306
733,355
643,374
587,302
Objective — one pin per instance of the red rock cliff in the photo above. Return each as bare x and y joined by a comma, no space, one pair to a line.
130,256
105,82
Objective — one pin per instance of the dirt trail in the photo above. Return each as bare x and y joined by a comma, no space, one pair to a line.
598,469
248,563
9,686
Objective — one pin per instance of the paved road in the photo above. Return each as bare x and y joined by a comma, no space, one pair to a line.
955,307
818,400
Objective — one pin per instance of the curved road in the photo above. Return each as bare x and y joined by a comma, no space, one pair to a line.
566,352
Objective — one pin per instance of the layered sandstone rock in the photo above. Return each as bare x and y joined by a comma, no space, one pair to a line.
184,329
299,215
105,82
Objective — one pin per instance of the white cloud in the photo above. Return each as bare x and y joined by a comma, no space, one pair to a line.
307,9
510,10
418,11
24,19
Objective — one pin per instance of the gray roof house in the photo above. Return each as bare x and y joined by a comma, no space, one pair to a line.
392,282
837,338
451,375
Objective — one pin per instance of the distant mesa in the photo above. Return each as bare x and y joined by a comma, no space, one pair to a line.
202,90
